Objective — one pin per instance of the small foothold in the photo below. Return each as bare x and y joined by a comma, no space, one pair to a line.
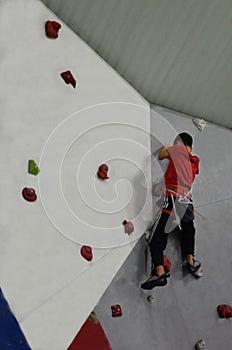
68,78
33,167
86,252
93,317
116,310
52,29
150,299
103,172
128,227
200,123
200,345
29,194
224,311
167,264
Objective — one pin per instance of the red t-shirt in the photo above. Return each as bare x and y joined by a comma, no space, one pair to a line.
182,169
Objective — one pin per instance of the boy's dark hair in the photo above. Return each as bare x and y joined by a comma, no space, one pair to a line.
185,138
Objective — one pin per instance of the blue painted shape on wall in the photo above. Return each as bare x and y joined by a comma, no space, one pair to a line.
11,335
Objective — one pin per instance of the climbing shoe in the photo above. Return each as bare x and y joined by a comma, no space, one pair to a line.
154,281
195,269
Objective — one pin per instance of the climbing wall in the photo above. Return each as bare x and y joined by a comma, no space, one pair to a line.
186,310
65,230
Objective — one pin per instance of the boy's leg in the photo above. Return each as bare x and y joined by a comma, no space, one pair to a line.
188,241
157,245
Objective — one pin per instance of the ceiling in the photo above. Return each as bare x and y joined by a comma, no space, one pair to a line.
176,53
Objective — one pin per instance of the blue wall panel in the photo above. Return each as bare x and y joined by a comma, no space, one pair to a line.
11,336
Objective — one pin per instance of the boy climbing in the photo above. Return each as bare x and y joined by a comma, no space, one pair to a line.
177,203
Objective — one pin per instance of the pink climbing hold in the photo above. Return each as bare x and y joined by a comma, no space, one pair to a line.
68,78
52,29
29,194
86,252
224,311
167,264
103,172
128,227
116,310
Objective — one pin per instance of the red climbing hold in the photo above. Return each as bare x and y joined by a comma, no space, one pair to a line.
128,227
86,252
102,172
52,28
68,78
167,264
116,310
224,311
29,194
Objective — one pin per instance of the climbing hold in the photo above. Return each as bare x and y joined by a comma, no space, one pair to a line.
86,252
52,29
128,227
200,123
102,172
224,311
29,194
33,167
150,299
93,317
116,310
167,264
68,78
200,345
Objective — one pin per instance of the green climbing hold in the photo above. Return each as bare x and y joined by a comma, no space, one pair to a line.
33,167
93,317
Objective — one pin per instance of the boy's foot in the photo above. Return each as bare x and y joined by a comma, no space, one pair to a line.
154,281
195,269
166,273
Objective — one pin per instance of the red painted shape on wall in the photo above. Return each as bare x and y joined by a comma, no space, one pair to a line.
68,78
224,311
90,337
52,29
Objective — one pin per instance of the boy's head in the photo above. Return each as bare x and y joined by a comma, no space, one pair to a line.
184,138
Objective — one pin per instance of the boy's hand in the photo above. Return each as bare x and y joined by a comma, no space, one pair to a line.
163,153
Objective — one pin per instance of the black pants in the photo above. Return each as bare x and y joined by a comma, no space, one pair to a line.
164,222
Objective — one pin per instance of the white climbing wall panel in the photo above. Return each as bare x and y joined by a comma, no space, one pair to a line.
69,133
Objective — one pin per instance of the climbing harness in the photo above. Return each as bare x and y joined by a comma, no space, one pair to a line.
185,198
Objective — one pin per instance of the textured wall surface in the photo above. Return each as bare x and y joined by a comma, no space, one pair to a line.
186,309
175,53
69,133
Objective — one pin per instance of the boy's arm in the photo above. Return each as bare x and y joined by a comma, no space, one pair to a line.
163,153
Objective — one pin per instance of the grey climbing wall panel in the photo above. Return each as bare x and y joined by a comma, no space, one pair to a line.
185,310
